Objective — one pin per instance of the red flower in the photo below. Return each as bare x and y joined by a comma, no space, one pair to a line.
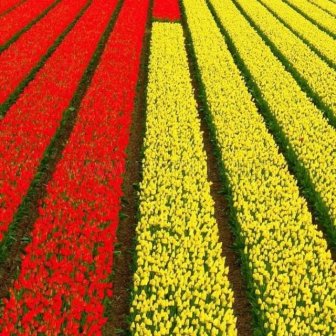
32,121
21,16
69,260
166,10
17,61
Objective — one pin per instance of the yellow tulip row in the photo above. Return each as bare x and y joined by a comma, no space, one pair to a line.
320,40
327,5
318,75
294,276
180,285
324,19
311,137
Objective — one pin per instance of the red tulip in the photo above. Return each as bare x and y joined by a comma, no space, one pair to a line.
166,10
32,121
17,61
67,264
21,16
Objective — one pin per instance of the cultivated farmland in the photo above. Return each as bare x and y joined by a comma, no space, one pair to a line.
168,167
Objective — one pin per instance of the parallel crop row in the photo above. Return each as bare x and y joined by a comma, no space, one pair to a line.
290,272
309,32
326,5
65,272
32,121
6,5
316,14
314,71
17,61
301,124
180,285
16,20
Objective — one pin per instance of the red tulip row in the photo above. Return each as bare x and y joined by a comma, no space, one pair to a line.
17,61
65,271
166,10
6,5
20,17
31,122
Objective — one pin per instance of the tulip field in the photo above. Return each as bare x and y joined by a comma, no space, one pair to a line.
168,167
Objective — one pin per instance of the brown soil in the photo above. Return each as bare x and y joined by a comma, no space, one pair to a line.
242,308
118,309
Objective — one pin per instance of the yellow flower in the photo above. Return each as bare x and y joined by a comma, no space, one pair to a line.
177,213
274,220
